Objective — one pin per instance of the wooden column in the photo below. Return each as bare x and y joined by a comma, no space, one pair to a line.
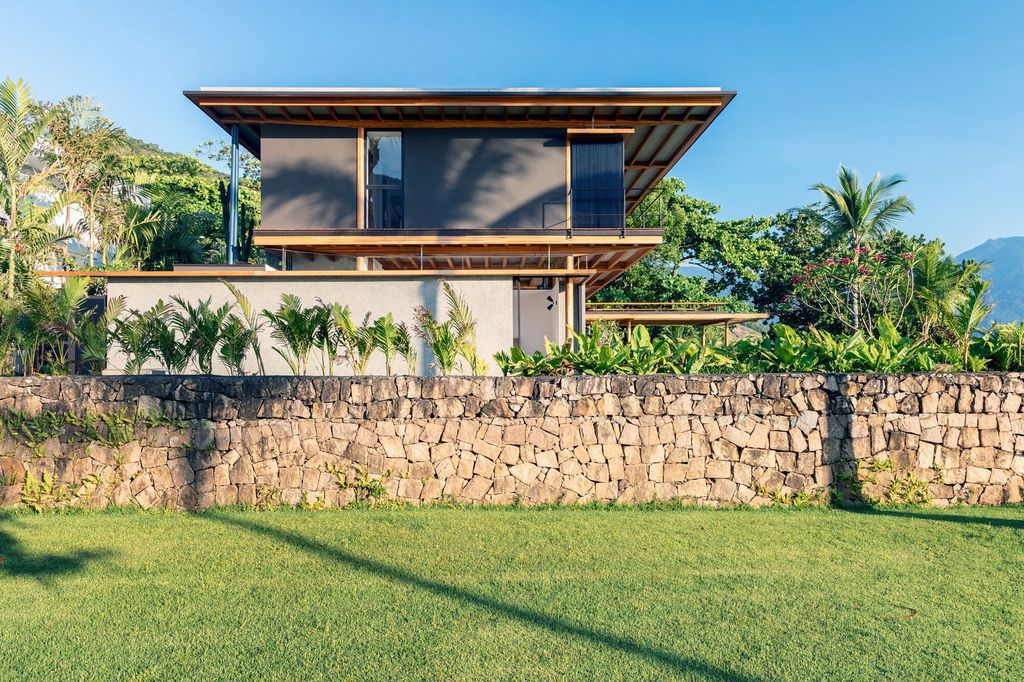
569,308
361,189
726,325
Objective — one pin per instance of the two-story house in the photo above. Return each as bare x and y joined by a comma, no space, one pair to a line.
518,197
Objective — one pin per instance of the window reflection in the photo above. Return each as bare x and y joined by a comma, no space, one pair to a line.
385,205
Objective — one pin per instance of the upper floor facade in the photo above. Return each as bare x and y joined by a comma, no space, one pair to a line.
349,171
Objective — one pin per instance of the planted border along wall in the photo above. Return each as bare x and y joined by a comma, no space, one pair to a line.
193,442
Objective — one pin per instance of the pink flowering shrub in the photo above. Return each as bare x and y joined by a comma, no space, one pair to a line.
864,286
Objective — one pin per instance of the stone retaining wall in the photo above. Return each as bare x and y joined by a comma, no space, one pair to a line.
754,439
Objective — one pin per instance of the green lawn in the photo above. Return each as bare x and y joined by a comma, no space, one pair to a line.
443,593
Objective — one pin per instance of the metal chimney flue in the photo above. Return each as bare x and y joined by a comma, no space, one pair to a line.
232,250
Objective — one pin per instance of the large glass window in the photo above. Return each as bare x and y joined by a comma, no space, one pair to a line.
385,206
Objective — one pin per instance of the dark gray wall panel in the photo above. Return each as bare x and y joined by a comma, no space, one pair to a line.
309,177
484,178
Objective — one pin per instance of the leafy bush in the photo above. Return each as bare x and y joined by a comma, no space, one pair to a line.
453,339
596,353
787,350
784,350
296,328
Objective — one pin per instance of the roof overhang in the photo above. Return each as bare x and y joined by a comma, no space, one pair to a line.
658,124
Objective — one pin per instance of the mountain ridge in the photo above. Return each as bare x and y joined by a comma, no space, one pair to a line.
1004,258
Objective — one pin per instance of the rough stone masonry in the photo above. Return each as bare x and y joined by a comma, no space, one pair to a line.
718,440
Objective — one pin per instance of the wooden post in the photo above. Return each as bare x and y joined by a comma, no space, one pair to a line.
726,325
361,263
570,317
703,335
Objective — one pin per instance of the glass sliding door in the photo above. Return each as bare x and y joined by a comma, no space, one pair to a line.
385,203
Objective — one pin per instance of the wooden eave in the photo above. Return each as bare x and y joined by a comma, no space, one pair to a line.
603,256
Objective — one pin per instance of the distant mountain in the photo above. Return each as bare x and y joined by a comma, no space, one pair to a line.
1005,258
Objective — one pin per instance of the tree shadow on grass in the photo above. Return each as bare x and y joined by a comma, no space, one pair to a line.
16,563
995,522
679,664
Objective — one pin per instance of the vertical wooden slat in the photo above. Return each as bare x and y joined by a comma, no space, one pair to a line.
568,184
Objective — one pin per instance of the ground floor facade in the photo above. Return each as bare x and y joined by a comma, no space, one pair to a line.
506,312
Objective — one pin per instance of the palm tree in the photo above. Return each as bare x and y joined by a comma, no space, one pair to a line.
464,325
940,284
964,321
452,339
54,316
858,214
295,327
22,128
200,326
386,337
86,145
252,321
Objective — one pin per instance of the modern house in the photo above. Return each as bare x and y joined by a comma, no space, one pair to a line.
518,197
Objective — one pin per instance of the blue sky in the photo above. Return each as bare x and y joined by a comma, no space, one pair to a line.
933,90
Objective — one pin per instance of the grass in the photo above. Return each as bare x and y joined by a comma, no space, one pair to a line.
442,593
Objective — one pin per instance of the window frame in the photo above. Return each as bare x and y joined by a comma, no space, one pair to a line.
369,186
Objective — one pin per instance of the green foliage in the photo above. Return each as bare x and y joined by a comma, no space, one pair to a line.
267,497
784,350
201,327
111,429
964,321
787,350
592,354
235,342
387,337
295,327
193,193
358,340
46,323
40,493
94,337
134,335
360,480
252,321
453,340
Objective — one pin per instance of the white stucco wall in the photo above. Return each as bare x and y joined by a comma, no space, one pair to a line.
489,298
535,322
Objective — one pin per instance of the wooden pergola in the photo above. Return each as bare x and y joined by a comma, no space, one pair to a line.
676,314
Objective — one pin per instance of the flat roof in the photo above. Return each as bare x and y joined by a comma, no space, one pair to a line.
658,124
459,91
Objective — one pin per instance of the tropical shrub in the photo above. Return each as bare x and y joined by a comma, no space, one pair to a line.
170,349
295,327
200,326
326,334
235,342
594,354
358,340
252,322
857,290
134,335
454,339
787,350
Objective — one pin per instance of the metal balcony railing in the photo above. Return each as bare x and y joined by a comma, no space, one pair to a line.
604,208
